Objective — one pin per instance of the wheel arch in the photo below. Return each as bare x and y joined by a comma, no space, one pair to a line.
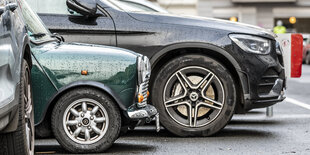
215,52
26,51
79,84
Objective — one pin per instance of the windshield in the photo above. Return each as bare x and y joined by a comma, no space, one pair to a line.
36,29
135,6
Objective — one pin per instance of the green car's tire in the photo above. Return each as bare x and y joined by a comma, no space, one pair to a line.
86,120
21,141
195,95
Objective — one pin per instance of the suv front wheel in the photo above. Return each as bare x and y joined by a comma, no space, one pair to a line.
195,95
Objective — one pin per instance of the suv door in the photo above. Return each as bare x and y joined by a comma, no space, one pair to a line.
73,26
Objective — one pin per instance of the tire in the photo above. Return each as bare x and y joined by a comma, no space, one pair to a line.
21,141
307,61
82,119
172,99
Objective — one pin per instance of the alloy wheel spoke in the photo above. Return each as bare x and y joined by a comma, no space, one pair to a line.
182,78
29,95
87,135
25,99
175,99
28,112
177,104
213,101
207,83
72,122
84,107
195,115
209,76
190,116
95,109
210,105
100,120
77,131
74,112
96,130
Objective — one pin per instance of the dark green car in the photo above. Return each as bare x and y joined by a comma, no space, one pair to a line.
85,93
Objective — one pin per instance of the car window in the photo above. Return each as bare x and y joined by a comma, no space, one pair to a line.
137,7
123,6
51,7
36,29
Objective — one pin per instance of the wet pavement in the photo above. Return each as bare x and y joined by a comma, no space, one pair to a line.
287,132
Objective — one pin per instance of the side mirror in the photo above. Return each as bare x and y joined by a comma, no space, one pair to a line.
84,7
59,37
11,6
1,10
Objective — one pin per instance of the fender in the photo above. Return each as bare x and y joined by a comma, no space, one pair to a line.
169,48
94,84
241,76
26,42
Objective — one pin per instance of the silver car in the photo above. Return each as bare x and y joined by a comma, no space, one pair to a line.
16,106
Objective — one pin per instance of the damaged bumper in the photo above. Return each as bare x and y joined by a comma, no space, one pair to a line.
145,114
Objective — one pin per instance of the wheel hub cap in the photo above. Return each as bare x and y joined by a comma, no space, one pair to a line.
85,121
193,96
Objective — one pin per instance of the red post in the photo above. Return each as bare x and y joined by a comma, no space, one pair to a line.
296,55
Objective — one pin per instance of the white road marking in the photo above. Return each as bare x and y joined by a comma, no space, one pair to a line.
301,104
262,117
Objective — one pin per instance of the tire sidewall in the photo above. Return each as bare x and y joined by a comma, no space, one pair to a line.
202,61
105,142
25,69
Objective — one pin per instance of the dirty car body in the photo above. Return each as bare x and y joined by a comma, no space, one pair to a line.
257,75
16,106
13,47
98,78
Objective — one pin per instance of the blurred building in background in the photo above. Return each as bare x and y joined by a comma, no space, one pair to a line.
295,14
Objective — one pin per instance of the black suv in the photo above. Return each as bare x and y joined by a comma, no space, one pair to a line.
16,106
203,70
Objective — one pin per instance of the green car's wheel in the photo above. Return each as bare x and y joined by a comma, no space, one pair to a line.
86,120
21,141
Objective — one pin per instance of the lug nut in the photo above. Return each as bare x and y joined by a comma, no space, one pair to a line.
91,117
80,124
89,127
82,115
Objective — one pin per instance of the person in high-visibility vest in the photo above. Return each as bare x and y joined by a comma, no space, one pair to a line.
279,29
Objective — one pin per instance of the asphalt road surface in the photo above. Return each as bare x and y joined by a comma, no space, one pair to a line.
287,132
